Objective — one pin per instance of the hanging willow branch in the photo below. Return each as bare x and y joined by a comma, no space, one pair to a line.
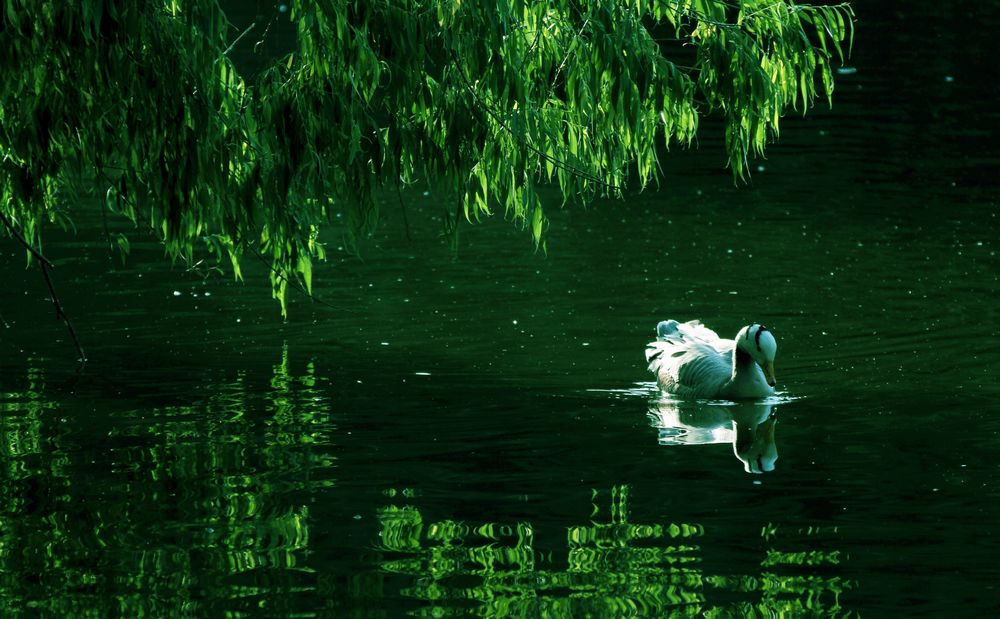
579,96
484,107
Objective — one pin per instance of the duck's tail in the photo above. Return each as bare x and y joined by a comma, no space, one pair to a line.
666,328
668,336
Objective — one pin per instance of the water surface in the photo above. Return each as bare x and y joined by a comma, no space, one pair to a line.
478,436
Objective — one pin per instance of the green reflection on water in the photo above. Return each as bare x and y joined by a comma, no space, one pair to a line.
180,509
612,567
206,507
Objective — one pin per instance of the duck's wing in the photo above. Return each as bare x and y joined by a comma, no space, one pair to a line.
686,364
694,329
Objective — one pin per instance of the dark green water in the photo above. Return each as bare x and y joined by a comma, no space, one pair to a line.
479,436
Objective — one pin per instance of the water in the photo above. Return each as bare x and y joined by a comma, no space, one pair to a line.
479,436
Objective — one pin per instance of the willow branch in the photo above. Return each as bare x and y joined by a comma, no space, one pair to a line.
294,281
569,51
556,162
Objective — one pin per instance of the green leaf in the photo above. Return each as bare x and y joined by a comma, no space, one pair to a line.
537,223
123,246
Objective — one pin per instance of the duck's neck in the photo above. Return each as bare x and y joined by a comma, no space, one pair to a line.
742,362
748,380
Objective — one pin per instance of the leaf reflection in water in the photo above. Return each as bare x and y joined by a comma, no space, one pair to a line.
612,567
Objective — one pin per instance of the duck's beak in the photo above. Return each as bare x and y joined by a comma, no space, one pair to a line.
769,372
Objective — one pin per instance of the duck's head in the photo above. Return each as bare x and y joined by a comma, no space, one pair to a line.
757,341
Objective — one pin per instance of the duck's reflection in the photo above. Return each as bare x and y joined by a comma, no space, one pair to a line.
749,426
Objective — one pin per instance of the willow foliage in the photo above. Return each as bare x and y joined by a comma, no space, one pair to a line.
481,100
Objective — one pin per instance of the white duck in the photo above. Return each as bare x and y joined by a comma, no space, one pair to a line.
691,361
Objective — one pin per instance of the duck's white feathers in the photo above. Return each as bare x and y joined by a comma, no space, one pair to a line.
692,361
697,331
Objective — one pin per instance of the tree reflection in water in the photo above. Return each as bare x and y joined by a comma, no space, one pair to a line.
207,507
613,567
161,510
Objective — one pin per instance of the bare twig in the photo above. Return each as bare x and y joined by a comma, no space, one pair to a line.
267,29
235,41
60,314
45,265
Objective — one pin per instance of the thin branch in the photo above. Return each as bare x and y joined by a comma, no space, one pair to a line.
235,41
46,265
60,314
267,29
